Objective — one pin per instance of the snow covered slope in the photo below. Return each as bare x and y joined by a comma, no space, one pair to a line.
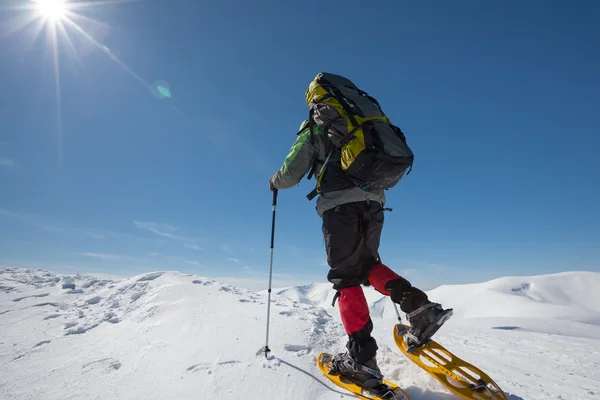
165,335
571,296
566,303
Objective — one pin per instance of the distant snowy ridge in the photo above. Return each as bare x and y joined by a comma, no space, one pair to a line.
573,296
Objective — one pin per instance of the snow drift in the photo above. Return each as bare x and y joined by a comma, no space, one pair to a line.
571,296
167,335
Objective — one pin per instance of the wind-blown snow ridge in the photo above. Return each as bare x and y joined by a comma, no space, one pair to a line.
568,295
168,335
565,303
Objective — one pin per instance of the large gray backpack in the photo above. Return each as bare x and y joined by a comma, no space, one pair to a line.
373,151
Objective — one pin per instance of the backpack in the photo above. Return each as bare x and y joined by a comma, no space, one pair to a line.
373,152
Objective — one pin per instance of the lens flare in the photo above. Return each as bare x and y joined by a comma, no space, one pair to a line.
51,10
62,21
161,90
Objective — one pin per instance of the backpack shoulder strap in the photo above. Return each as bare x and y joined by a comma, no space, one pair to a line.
337,94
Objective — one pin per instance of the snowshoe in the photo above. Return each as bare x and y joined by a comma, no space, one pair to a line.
457,375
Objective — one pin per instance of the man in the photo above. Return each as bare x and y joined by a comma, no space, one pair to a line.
352,223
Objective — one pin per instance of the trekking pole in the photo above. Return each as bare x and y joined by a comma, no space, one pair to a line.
397,312
266,349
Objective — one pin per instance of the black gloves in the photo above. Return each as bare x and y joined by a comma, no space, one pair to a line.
271,185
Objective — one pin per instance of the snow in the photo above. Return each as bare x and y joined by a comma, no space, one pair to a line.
166,335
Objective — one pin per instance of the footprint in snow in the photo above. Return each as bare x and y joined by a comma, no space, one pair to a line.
210,366
271,363
299,349
111,317
104,365
198,367
51,304
32,296
249,301
81,329
41,343
94,300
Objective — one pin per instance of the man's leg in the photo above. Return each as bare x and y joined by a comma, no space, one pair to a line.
344,242
424,316
354,312
379,276
387,282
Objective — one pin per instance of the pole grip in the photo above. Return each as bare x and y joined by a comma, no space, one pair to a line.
275,192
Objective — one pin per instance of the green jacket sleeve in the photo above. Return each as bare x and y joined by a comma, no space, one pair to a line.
297,163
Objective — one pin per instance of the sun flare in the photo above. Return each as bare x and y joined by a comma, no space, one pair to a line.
52,10
61,23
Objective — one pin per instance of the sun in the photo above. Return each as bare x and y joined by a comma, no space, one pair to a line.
51,10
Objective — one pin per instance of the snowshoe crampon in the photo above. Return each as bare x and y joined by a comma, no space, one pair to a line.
460,377
394,393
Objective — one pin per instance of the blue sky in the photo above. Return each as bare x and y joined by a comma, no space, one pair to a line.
499,101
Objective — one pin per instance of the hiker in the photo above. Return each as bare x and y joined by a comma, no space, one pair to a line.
344,120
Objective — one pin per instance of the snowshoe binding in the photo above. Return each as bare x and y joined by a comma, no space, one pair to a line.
424,323
367,375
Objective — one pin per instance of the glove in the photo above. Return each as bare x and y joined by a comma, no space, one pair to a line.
271,184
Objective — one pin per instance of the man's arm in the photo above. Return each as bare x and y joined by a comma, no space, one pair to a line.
297,163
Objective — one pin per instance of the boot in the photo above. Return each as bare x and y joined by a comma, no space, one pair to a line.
425,322
367,375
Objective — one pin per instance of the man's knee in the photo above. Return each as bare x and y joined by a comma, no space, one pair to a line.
343,279
380,275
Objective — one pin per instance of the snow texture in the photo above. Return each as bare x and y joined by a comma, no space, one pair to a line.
165,335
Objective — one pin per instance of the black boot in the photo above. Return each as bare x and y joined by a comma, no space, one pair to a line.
360,374
366,375
425,322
